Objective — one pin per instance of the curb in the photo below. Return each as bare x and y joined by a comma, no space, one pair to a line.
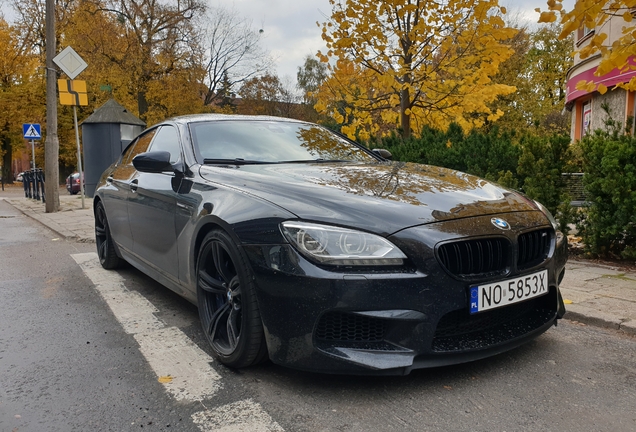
598,318
24,212
51,225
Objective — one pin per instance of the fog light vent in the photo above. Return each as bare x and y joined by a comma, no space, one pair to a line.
346,327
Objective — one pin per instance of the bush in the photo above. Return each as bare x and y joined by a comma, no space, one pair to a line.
542,162
609,163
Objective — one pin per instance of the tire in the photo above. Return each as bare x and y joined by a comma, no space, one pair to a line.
105,247
228,308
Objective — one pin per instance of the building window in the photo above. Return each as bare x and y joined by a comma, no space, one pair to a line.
582,111
583,34
629,112
586,117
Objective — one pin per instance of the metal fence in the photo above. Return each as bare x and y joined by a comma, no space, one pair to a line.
574,187
33,183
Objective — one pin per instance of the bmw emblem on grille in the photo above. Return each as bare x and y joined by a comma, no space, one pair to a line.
500,223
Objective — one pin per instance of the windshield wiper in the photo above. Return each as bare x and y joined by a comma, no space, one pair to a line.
319,160
332,160
235,161
241,161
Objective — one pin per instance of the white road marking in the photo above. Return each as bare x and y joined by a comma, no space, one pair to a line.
242,416
172,354
167,349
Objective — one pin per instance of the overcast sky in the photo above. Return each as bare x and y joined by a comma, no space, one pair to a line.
290,30
289,26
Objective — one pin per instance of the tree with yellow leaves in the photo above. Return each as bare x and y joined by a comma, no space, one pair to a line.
420,61
19,90
593,15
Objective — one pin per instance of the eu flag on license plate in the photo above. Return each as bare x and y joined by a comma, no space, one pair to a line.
474,299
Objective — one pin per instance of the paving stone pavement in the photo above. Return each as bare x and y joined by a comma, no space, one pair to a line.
602,295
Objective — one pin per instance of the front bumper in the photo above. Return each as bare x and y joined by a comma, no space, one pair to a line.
391,321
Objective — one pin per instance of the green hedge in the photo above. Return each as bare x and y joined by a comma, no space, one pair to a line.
609,163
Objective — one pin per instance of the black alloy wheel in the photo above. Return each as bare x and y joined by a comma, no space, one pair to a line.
105,247
227,303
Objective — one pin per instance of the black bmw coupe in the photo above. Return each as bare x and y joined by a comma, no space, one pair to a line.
301,246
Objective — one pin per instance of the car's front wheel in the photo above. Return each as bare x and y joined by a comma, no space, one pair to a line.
105,247
227,303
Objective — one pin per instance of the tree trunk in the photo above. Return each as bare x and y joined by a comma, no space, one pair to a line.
6,174
405,119
142,103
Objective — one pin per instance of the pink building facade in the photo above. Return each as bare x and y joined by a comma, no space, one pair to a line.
587,107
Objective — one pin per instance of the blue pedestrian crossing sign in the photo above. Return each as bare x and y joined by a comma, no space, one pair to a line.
31,131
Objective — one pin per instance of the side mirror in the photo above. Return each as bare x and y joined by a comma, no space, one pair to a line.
385,154
153,162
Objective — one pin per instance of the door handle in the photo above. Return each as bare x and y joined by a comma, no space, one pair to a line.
134,185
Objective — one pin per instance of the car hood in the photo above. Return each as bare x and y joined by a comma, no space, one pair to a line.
379,197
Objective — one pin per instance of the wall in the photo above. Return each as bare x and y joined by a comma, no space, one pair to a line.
616,100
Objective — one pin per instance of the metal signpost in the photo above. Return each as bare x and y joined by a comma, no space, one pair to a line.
32,132
73,93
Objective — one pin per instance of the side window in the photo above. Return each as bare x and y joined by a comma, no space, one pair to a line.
127,152
587,118
167,140
140,146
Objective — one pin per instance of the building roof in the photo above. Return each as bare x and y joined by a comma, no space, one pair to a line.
113,112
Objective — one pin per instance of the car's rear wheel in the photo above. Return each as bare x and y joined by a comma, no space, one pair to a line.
227,303
105,247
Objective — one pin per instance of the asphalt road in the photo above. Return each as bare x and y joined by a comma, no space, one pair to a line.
75,356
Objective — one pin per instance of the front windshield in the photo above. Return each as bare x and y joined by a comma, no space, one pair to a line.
272,142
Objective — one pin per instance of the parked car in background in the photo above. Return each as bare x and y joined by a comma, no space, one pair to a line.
73,183
19,177
304,247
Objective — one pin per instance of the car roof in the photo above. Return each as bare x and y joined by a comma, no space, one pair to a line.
194,118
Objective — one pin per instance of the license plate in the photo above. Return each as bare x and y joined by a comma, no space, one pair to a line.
506,292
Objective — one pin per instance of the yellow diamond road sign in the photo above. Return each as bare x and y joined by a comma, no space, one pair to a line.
73,92
70,62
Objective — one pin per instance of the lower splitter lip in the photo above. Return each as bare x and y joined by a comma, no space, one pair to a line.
396,361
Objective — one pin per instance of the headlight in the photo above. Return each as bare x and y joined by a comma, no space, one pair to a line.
341,246
547,213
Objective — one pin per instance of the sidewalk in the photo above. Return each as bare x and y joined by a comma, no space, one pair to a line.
71,222
595,294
